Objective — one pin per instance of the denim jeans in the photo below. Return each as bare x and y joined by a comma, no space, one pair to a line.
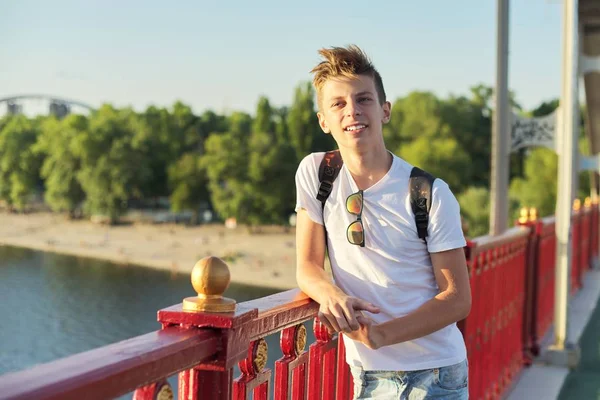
449,382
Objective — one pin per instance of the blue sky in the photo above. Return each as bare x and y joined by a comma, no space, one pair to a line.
223,55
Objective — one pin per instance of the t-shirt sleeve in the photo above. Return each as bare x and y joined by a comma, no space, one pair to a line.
445,227
307,185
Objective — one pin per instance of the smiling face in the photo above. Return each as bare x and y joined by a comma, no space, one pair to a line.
351,112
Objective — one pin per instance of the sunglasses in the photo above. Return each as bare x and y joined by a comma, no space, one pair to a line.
355,232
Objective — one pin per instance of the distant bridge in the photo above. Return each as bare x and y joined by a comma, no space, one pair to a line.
58,106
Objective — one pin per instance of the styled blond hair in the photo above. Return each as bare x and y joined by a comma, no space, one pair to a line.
349,62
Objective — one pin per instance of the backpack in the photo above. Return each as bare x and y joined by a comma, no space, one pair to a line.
421,183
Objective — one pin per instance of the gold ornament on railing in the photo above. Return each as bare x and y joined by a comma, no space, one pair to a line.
576,205
300,341
261,352
210,279
524,215
165,393
588,202
533,214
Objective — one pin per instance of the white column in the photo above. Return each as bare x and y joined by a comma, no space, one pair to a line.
567,166
501,126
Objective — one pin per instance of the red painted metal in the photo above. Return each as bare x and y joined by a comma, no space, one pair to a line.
291,369
494,329
344,380
546,265
209,385
322,364
470,326
576,251
151,391
251,320
594,236
253,380
530,291
584,245
113,370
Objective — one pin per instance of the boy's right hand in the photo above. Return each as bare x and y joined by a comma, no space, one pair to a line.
338,312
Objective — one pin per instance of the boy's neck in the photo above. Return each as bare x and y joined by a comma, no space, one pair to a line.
367,167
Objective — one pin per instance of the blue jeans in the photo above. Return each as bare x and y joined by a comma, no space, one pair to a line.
449,382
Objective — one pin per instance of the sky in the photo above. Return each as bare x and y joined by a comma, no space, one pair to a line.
223,55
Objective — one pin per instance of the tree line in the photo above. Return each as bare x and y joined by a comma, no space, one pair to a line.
243,165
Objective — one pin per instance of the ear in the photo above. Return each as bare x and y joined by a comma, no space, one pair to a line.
323,123
387,112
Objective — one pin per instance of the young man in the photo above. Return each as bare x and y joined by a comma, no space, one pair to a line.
394,296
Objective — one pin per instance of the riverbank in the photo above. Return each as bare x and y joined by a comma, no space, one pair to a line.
265,259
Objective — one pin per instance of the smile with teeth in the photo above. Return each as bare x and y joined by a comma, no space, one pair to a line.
355,127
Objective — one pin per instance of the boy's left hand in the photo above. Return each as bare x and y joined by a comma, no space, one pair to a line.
368,333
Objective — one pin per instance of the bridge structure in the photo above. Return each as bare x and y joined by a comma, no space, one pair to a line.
521,281
56,105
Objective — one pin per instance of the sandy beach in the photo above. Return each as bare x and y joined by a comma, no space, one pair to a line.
262,259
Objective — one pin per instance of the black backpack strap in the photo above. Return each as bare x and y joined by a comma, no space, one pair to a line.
421,184
330,167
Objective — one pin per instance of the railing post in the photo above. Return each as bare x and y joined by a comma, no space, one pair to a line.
291,370
211,380
529,219
322,364
254,379
471,326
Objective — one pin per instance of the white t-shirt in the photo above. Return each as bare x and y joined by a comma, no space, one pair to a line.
393,271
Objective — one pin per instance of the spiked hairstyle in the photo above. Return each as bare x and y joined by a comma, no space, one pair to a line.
348,62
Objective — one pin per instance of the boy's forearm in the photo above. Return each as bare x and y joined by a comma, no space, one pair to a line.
315,282
437,313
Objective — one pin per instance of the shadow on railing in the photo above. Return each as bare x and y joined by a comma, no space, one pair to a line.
205,337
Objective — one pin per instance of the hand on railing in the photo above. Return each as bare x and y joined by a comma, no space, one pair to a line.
338,312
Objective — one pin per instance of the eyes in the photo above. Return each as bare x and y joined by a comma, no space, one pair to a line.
360,100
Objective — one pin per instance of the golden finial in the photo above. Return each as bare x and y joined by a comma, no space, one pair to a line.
524,215
588,202
595,199
210,279
576,205
533,214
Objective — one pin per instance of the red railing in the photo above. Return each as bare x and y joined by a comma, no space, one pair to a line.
586,234
492,331
544,267
595,224
512,282
576,222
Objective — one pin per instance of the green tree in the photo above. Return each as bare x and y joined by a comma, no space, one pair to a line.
19,163
412,117
280,116
475,208
113,167
263,122
466,121
212,123
60,167
157,138
443,158
225,161
189,184
538,187
303,124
